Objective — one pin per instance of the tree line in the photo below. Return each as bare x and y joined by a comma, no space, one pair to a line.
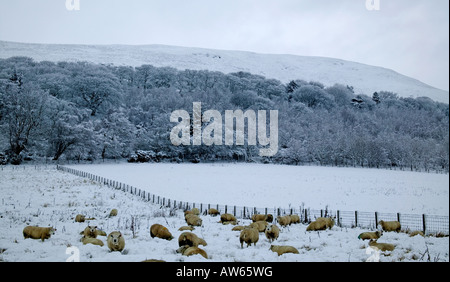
85,112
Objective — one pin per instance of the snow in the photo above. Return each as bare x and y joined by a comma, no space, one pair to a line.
44,196
365,79
269,185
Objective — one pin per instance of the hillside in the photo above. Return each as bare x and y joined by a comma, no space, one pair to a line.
364,78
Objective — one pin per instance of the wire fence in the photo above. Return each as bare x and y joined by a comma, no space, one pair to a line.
429,224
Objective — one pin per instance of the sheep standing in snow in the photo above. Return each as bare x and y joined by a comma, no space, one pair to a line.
160,231
249,236
228,218
370,235
190,239
35,232
294,218
259,225
262,217
116,242
213,212
283,249
272,232
390,225
284,220
321,223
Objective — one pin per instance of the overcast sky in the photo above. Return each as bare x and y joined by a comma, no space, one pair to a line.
408,36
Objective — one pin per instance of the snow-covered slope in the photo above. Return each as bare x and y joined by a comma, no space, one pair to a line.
364,78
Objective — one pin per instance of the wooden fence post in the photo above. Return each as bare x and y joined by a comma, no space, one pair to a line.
356,218
376,219
338,218
424,224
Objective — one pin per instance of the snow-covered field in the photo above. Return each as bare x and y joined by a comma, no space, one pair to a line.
261,186
47,197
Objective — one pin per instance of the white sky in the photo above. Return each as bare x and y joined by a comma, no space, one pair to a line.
408,36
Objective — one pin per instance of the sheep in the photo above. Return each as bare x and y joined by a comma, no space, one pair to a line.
260,225
228,218
80,218
213,212
294,218
193,220
321,223
113,212
35,232
260,217
390,225
115,241
184,228
160,231
417,232
329,221
249,236
238,228
272,232
284,220
283,249
190,239
370,235
192,211
187,250
92,241
90,232
381,246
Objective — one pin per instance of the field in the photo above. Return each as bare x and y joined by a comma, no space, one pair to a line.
46,197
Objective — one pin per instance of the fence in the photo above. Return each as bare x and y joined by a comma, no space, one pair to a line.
429,224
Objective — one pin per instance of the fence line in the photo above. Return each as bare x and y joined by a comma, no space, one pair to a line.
429,224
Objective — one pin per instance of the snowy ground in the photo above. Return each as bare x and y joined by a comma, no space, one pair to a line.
44,197
259,185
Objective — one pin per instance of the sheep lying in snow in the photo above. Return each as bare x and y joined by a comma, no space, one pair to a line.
272,232
93,241
35,232
160,231
92,232
238,228
82,218
189,251
390,225
283,249
262,217
370,235
190,239
249,236
228,218
184,228
193,220
414,233
321,223
115,241
284,220
113,212
260,225
381,246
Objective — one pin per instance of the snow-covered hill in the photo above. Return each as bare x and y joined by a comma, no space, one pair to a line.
365,79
